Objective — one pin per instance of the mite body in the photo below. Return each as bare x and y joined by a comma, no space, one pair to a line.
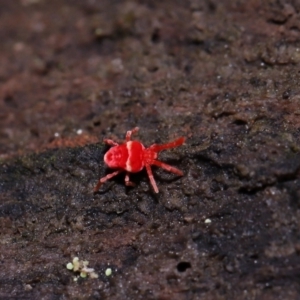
132,157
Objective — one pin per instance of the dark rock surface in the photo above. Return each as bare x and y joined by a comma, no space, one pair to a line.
224,74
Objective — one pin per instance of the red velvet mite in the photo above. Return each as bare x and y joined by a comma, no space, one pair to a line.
132,157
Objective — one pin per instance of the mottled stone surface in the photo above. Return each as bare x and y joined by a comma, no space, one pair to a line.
224,74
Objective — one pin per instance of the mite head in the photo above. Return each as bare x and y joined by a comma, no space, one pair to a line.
116,157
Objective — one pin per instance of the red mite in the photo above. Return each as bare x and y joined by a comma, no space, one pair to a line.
132,157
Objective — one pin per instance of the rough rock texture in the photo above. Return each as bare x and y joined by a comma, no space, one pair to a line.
224,74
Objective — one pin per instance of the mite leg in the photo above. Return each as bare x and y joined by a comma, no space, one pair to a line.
107,177
110,142
127,181
167,167
151,178
130,132
172,144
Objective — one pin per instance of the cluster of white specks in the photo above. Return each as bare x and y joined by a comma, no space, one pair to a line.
81,266
56,134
